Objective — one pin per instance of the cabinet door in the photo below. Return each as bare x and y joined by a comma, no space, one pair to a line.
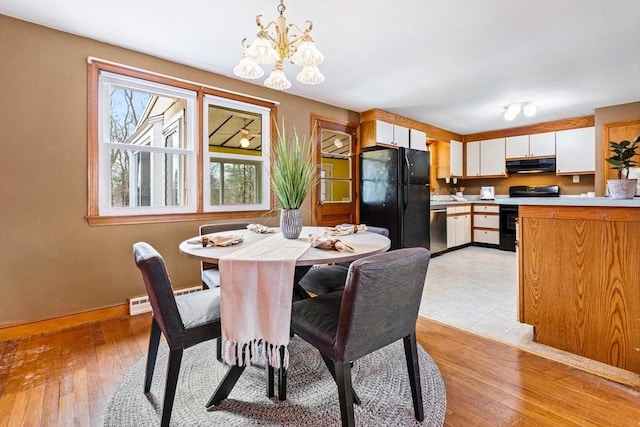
401,136
517,146
455,158
576,151
473,158
492,160
417,140
463,233
542,144
384,132
452,222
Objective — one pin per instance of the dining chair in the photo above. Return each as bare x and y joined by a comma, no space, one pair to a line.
210,275
330,278
184,320
378,306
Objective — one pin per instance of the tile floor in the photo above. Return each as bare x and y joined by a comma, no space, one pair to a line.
476,289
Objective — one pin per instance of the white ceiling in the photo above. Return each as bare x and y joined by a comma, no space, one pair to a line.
449,63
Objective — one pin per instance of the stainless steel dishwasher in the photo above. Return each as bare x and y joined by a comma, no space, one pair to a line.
438,229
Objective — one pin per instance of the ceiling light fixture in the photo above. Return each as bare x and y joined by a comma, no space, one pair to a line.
512,110
244,142
275,48
338,143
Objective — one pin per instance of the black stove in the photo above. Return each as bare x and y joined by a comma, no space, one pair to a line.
534,191
509,213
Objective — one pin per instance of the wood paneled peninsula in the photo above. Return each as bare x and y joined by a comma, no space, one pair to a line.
579,276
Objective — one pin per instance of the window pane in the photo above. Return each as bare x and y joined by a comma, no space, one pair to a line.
149,179
234,182
234,131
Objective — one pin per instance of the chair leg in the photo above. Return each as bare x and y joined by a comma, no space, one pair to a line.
343,379
219,349
152,354
270,381
332,371
411,354
175,358
282,377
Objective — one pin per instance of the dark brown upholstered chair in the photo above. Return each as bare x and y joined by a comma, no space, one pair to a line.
330,278
209,272
379,305
185,320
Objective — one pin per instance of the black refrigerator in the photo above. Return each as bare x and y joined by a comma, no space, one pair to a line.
394,193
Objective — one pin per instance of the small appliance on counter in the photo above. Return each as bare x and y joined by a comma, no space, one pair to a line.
487,193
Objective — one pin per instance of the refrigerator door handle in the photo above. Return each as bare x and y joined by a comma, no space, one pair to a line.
406,176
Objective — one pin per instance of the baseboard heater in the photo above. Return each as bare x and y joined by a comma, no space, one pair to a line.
141,304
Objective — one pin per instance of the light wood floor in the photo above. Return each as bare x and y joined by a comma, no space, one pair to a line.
66,378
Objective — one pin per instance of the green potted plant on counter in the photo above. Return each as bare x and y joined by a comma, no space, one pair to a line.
622,160
292,177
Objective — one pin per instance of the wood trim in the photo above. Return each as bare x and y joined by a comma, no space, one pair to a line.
92,139
50,325
200,216
604,213
556,125
433,132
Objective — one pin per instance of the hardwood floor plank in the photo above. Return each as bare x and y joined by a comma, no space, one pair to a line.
33,410
51,404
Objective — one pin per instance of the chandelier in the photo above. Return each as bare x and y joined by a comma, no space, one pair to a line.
277,46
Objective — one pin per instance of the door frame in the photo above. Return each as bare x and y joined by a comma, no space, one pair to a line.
318,124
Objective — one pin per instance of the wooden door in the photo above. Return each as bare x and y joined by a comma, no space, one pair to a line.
619,131
336,156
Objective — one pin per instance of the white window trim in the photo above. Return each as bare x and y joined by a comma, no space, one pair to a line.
105,146
265,131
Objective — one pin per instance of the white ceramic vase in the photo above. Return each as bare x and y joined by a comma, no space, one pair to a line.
621,188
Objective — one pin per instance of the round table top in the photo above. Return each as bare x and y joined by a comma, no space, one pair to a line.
364,243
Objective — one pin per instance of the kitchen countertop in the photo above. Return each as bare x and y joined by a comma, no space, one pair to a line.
570,201
544,201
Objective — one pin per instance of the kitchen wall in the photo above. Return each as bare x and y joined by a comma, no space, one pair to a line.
567,186
52,263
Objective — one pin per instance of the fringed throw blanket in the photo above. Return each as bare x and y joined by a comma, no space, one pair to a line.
256,287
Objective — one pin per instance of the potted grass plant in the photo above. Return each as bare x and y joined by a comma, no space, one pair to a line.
293,175
622,160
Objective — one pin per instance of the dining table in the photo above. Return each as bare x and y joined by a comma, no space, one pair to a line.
271,246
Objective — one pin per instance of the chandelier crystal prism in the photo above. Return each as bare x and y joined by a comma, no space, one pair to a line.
276,47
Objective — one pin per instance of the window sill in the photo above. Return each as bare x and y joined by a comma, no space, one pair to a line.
151,219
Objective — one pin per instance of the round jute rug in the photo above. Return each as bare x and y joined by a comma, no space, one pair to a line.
380,379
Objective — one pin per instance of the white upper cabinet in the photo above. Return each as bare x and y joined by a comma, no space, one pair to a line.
384,132
417,140
492,157
542,144
401,136
536,145
473,158
455,158
576,151
517,146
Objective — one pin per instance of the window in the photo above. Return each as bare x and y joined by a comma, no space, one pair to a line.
149,162
235,157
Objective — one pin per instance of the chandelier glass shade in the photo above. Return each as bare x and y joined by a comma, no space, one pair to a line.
275,48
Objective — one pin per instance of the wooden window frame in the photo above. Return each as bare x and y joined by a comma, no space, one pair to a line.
95,67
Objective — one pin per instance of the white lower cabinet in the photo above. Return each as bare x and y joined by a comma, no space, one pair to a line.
458,225
486,224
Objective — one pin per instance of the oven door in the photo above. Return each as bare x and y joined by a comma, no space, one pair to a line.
508,218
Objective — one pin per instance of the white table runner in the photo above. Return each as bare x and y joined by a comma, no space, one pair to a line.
256,287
